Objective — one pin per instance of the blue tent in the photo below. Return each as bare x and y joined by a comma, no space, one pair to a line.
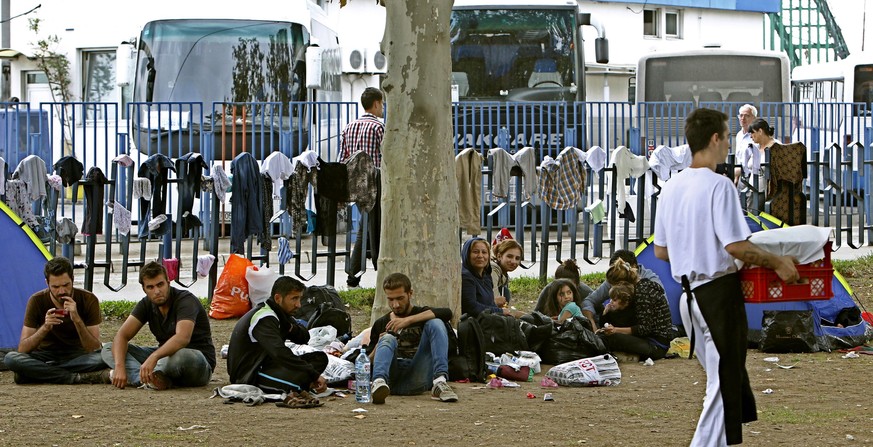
21,267
829,337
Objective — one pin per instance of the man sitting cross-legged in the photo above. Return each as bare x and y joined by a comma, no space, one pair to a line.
60,340
409,346
257,354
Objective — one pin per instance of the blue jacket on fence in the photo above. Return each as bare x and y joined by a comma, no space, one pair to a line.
246,199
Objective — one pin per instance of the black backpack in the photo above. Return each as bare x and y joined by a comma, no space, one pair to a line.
339,318
502,333
314,297
466,351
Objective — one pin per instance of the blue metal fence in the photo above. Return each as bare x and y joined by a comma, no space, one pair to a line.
837,135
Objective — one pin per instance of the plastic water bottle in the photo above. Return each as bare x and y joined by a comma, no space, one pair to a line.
362,377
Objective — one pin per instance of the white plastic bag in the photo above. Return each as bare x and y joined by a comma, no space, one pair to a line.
322,336
524,358
601,370
260,281
338,370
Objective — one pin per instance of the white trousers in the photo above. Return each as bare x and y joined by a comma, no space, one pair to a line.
711,425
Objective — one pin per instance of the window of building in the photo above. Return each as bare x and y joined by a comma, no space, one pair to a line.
673,24
98,84
650,22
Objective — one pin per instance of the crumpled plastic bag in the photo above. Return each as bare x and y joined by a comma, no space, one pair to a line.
321,337
247,394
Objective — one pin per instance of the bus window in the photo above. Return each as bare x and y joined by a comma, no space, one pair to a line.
863,88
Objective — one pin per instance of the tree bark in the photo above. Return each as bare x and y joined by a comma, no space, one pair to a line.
419,191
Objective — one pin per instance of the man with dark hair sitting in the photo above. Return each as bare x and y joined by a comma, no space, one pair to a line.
60,340
410,346
185,355
257,354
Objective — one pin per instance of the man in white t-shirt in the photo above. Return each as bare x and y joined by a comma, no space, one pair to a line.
700,229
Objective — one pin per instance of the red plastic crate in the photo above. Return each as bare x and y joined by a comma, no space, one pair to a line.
762,285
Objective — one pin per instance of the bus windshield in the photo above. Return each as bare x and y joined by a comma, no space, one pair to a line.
714,78
498,51
221,61
863,91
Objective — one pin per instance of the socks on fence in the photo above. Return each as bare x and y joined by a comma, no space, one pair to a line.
204,264
285,253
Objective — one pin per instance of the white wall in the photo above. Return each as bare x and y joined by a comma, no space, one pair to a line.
624,29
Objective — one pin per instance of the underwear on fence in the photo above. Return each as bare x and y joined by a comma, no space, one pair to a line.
172,266
204,265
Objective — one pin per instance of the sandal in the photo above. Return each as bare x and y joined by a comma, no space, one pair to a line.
301,399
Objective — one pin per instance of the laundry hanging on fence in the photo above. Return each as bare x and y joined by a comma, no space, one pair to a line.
468,173
32,172
562,180
279,168
94,189
525,160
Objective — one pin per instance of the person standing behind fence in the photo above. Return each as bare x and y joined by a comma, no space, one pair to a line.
700,229
743,142
365,134
762,135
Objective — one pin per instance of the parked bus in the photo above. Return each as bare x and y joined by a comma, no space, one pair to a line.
713,75
517,71
245,71
670,85
840,94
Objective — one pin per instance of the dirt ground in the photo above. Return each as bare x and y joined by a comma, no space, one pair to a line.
819,402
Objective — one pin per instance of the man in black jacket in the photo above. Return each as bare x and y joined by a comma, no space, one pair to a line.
257,354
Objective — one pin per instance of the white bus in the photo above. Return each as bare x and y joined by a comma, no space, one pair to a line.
713,75
670,85
244,66
840,95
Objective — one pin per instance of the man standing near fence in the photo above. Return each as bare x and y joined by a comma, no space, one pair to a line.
365,134
60,340
743,142
700,229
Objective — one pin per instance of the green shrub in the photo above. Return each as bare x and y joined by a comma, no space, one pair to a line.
360,299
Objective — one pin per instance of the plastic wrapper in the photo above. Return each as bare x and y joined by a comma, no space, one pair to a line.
600,370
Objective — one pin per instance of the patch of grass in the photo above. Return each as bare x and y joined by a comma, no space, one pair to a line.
120,310
360,299
526,288
594,280
855,267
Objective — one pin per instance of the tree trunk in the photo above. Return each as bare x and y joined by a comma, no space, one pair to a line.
419,191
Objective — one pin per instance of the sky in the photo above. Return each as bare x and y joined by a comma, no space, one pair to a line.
850,17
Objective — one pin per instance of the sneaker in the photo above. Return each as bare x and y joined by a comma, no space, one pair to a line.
160,383
443,392
94,377
380,391
353,282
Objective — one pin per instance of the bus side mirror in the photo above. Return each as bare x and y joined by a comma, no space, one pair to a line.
313,67
601,50
124,60
632,90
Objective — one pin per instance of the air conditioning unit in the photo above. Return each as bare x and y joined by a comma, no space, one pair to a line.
364,60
